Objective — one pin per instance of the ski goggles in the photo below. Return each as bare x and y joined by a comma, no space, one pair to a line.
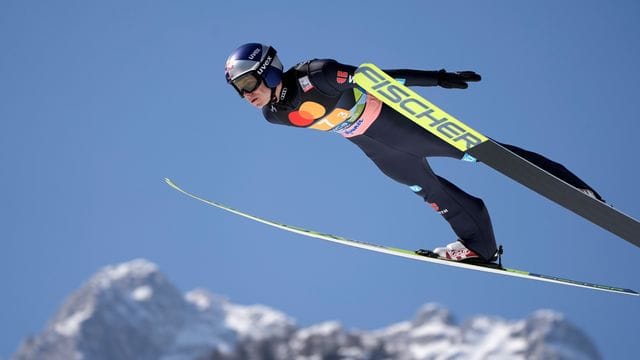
246,83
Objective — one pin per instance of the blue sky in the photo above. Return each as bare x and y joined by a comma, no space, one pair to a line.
101,101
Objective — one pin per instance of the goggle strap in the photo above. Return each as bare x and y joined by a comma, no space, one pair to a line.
271,53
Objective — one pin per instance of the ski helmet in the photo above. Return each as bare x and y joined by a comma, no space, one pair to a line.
250,65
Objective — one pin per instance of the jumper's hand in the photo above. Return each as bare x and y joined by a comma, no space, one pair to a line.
457,80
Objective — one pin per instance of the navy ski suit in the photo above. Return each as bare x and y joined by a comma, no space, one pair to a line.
321,94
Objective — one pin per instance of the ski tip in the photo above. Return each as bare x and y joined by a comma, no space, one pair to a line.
172,184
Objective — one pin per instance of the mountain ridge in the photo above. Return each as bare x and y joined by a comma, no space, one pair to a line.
132,311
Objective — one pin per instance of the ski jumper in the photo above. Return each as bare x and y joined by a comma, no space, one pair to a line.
321,94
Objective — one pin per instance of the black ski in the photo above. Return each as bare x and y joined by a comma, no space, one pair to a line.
549,186
461,136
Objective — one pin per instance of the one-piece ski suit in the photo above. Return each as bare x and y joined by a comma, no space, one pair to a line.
321,94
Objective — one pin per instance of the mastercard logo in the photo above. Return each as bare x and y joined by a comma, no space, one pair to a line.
308,112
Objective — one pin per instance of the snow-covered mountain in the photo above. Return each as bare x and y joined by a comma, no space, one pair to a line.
131,311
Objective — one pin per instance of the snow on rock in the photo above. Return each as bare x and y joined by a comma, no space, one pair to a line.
71,325
257,321
205,332
135,269
142,293
329,328
204,300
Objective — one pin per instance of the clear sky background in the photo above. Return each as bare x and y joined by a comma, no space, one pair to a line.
99,101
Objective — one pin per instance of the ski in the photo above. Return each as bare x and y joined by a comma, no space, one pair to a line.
477,146
407,253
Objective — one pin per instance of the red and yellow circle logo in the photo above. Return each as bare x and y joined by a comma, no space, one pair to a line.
308,112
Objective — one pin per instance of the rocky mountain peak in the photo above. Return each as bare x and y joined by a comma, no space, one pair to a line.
132,311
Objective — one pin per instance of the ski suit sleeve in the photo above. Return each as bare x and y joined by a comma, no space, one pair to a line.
449,80
415,77
332,77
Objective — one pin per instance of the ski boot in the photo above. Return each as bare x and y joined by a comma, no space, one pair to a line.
456,251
